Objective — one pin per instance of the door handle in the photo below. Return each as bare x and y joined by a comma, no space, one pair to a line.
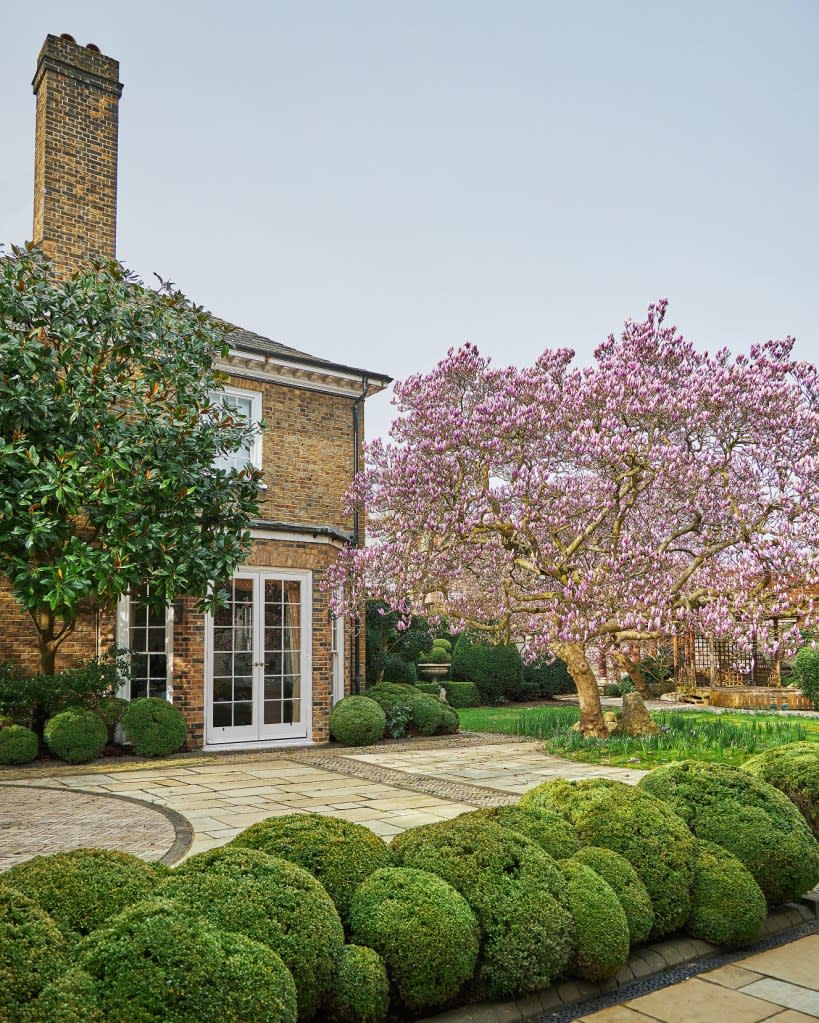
258,664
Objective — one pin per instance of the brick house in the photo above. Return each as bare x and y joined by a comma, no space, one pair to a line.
266,669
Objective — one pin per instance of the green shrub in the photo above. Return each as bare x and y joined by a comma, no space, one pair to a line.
613,690
71,998
728,906
619,874
462,694
419,711
450,722
430,688
397,669
436,655
361,989
601,929
805,671
749,818
543,679
32,952
644,830
422,928
514,889
550,831
18,745
76,735
626,685
794,770
443,643
110,709
272,901
154,726
357,721
338,853
157,963
82,888
494,669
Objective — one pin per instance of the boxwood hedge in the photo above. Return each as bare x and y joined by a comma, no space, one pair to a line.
794,770
645,830
154,726
550,831
744,815
514,888
338,853
272,901
76,735
422,928
601,929
18,745
83,888
361,988
617,872
33,952
728,906
357,721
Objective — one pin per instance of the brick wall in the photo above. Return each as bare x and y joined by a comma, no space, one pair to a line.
75,156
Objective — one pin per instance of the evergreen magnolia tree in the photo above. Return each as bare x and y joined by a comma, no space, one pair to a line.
658,490
108,441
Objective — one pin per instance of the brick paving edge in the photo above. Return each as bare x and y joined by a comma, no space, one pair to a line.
183,830
646,965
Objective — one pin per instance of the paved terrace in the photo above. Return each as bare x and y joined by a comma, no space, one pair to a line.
192,802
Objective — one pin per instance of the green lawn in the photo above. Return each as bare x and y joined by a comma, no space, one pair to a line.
725,738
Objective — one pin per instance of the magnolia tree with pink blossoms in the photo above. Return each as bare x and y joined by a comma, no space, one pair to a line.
582,509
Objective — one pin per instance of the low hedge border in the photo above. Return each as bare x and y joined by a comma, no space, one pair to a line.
680,953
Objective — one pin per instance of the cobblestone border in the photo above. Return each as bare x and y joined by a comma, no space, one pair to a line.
648,968
183,830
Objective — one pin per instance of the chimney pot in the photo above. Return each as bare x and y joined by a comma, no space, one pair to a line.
68,36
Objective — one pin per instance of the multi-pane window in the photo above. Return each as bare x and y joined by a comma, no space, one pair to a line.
147,643
245,405
337,657
282,651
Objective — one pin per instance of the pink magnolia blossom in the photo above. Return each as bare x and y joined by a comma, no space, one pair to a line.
578,509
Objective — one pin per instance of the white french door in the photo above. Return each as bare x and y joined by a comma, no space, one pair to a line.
258,678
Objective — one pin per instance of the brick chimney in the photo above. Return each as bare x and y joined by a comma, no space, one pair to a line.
75,153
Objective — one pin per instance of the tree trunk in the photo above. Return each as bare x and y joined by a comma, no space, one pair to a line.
48,638
591,711
632,668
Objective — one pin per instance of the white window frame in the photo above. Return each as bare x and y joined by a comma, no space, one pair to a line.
124,643
338,659
255,398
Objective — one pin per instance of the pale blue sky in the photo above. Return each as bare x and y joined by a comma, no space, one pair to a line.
374,182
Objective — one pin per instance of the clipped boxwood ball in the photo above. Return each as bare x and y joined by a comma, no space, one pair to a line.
749,818
357,721
644,830
601,928
423,930
270,900
361,990
338,853
794,770
550,831
33,951
425,711
158,963
18,745
450,722
71,998
514,888
728,906
82,888
155,727
619,874
77,735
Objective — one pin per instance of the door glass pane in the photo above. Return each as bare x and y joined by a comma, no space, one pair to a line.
282,652
272,591
233,659
242,714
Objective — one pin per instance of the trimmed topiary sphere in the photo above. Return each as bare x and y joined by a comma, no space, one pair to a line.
154,726
423,930
71,998
357,721
728,906
270,900
550,831
450,722
33,951
619,874
81,889
361,989
160,964
749,818
794,770
18,745
425,712
644,830
338,853
77,735
514,889
601,928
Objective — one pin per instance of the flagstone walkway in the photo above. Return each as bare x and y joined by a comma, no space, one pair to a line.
387,788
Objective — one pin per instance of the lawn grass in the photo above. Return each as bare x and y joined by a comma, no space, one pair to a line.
729,738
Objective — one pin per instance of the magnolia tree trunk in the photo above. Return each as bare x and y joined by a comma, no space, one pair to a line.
632,668
591,711
48,639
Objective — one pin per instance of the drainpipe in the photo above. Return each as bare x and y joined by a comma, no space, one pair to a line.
355,667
